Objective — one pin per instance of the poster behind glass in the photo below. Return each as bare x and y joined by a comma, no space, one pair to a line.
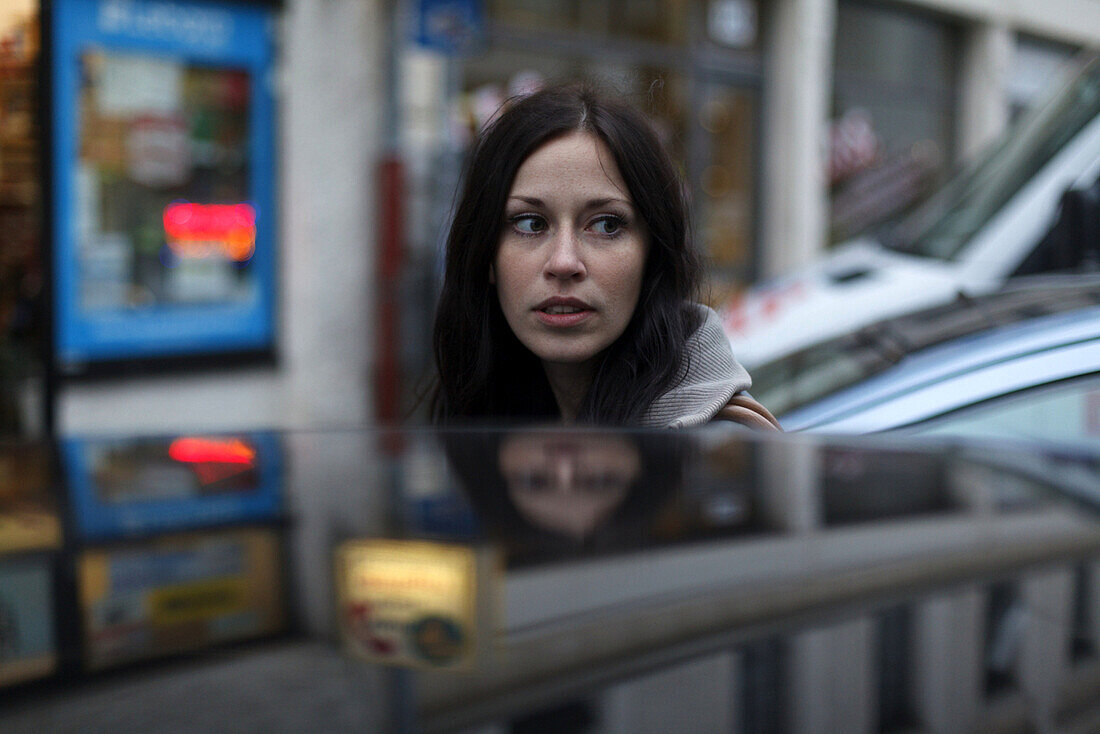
163,216
165,241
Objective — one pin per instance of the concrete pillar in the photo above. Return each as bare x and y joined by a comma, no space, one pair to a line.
330,506
949,634
791,475
983,84
331,137
1043,660
423,101
698,696
833,685
798,90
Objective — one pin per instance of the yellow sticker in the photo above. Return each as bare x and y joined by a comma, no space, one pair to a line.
197,602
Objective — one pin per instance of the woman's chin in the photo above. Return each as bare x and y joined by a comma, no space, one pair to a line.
566,357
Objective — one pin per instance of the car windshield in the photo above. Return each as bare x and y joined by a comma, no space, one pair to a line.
946,222
828,367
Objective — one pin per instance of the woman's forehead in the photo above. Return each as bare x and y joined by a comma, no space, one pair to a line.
576,164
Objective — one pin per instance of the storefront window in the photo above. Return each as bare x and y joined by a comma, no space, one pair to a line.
156,136
163,181
893,112
490,79
21,277
725,207
660,21
708,128
692,66
705,115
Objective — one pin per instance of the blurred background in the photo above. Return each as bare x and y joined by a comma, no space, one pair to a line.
229,215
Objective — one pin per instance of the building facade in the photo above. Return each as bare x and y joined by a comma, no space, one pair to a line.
796,123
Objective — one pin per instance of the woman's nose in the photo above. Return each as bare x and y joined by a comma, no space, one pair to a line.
565,470
565,259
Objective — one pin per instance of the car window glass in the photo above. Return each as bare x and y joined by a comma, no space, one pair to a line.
946,222
826,368
1067,411
811,374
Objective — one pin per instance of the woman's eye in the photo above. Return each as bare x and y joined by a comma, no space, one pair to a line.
607,225
599,483
529,224
533,481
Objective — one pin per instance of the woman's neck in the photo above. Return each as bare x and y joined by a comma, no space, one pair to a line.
569,383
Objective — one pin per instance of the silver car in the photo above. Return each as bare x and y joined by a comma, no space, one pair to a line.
1021,363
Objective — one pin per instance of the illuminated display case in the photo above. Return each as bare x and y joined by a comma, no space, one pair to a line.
122,488
162,180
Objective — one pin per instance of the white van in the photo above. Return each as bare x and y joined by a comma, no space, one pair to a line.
996,219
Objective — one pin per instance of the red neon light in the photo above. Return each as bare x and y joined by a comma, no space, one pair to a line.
206,450
205,230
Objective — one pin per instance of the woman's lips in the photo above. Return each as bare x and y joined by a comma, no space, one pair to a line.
563,312
563,320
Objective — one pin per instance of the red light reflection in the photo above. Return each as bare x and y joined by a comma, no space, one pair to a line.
208,230
223,451
213,459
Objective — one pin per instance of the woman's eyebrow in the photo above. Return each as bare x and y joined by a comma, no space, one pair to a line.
597,203
532,200
590,204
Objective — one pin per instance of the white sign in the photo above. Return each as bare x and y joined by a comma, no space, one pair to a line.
129,85
166,21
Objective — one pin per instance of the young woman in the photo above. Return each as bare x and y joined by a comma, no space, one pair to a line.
569,284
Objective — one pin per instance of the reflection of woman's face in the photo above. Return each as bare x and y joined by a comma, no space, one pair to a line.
568,484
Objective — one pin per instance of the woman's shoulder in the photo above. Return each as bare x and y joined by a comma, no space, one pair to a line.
709,378
741,408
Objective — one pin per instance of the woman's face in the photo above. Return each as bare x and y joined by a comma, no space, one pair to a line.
568,268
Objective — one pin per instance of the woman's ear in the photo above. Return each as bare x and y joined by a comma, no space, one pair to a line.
492,275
